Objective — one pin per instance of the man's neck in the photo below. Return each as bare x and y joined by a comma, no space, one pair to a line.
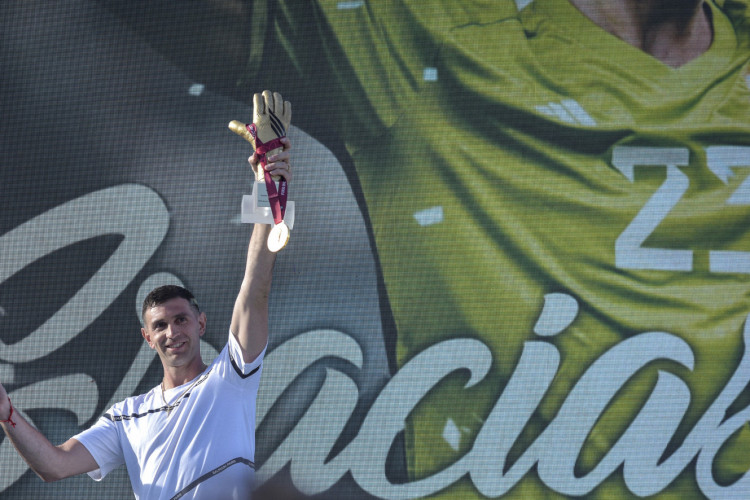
673,31
176,376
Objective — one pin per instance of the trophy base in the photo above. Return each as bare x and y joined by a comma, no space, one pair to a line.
256,210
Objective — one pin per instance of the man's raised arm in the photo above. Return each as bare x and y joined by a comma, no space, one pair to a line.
250,316
50,462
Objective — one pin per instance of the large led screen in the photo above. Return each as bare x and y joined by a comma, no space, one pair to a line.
520,260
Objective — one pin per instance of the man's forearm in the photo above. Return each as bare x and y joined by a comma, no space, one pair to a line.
49,462
250,316
260,261
256,283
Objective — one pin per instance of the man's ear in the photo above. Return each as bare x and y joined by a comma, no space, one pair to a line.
202,323
147,337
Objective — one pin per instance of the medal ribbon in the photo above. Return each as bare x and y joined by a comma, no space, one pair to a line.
276,198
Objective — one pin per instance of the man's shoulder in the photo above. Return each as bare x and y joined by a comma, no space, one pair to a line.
738,11
133,406
731,4
230,366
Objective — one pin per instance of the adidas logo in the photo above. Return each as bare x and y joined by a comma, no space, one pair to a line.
568,111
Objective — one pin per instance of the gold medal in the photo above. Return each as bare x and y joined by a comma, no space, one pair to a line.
278,237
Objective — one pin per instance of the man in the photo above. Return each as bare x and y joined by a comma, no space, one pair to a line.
192,436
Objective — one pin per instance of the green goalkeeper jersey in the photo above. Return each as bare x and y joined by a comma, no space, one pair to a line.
505,156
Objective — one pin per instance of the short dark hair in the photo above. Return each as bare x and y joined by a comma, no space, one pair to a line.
162,294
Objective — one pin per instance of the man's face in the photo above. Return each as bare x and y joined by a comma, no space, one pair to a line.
173,329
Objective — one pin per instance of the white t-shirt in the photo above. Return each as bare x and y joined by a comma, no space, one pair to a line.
202,449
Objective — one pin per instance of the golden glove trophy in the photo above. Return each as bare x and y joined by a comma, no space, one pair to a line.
268,203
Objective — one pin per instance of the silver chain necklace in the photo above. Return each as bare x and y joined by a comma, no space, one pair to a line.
176,403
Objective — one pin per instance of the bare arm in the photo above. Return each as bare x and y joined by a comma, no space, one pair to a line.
50,462
250,316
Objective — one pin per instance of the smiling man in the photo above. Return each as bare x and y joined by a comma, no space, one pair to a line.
173,326
193,435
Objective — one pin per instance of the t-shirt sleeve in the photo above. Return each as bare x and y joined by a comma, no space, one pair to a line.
103,442
232,368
